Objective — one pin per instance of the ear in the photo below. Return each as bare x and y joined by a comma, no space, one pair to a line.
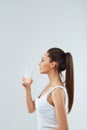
53,64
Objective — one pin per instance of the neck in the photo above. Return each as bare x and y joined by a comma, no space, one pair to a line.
54,78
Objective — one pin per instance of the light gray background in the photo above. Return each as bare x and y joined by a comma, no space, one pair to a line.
27,30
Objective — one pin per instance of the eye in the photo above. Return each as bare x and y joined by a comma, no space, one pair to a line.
42,60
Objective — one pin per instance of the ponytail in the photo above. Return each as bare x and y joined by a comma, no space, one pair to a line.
69,80
65,62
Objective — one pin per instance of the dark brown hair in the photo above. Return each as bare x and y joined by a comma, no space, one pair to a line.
65,62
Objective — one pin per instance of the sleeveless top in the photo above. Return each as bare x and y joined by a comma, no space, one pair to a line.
45,112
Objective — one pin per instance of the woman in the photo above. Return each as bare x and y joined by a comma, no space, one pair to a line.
50,105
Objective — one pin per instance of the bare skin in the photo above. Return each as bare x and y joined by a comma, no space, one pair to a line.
29,101
56,98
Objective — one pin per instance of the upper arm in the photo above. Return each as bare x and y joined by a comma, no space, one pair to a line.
58,101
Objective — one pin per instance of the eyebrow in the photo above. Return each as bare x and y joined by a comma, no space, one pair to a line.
44,57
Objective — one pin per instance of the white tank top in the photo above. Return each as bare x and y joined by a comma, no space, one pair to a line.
46,115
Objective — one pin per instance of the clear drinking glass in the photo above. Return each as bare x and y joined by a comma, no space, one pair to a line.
28,73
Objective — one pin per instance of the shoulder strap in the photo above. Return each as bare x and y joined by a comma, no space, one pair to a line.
58,87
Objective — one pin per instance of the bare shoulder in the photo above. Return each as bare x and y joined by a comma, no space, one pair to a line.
58,95
58,91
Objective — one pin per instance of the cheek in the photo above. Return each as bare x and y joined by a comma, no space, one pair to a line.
44,65
44,68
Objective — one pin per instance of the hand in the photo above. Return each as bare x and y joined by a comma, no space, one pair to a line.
26,82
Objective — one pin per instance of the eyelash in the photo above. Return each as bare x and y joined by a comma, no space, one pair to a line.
42,60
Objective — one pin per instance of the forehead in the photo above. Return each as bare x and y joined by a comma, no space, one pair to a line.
45,55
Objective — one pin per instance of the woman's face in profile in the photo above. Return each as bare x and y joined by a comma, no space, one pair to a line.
44,64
